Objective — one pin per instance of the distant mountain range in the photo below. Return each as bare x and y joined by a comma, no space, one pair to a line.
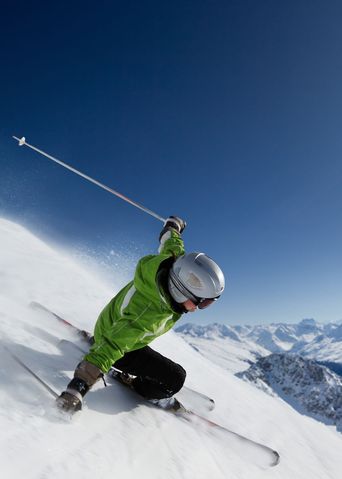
322,342
301,363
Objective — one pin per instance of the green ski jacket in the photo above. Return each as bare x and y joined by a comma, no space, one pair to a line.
139,313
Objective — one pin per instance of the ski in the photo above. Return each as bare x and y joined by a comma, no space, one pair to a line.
272,457
207,403
85,335
30,371
175,406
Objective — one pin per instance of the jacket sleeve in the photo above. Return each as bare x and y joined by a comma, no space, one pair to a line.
111,344
171,243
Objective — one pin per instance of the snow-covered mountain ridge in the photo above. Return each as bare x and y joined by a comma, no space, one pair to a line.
308,338
306,385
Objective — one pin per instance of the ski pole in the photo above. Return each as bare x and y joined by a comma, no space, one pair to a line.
22,142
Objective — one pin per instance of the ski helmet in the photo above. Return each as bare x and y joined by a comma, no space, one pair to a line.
197,277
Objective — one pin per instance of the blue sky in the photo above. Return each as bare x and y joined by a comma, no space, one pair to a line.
227,113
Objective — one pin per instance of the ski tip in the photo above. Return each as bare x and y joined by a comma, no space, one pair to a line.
37,306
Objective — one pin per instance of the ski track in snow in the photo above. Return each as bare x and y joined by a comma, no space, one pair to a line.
116,435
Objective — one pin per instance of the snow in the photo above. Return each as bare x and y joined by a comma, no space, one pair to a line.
117,435
227,353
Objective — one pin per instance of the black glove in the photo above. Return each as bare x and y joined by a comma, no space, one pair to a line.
176,223
173,222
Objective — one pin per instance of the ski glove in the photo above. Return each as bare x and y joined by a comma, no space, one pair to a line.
175,223
69,402
85,376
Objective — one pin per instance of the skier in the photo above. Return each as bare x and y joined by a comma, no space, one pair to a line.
164,287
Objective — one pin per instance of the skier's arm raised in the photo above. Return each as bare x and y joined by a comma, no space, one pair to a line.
169,238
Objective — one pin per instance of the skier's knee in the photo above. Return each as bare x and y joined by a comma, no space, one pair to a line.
179,375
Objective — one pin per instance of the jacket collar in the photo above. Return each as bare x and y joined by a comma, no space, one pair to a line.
162,282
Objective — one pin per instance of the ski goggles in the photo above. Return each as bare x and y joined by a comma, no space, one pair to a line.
205,302
201,303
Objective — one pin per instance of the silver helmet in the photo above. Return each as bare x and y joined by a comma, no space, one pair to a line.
197,277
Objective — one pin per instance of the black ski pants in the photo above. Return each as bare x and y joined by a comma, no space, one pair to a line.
157,376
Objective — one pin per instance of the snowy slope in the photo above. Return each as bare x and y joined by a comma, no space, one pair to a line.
222,345
116,435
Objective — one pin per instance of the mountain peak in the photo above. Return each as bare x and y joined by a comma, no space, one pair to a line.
309,387
308,322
